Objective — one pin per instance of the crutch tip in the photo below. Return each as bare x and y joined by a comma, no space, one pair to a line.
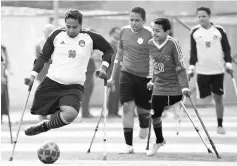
219,157
209,150
88,151
11,158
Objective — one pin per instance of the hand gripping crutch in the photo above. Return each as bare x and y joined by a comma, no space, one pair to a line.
234,83
197,130
208,136
21,120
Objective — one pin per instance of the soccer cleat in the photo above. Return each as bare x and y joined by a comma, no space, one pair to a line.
36,129
220,130
128,149
155,148
143,132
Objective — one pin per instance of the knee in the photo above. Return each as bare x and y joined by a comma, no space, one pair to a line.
218,99
128,107
69,113
157,122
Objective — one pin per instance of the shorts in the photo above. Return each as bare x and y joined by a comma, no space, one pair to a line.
134,88
50,95
160,102
210,83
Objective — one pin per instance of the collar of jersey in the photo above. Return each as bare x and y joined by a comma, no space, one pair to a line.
161,45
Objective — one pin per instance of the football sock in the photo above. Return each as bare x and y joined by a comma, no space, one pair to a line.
157,125
56,122
128,135
219,122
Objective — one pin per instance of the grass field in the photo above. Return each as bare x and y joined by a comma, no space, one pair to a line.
186,149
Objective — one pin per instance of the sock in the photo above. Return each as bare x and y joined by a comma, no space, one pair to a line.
158,131
219,122
56,121
128,135
144,120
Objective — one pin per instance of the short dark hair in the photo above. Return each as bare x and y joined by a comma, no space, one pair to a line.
112,30
140,11
206,9
74,14
164,22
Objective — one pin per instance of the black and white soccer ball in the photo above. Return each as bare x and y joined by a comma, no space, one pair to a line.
48,153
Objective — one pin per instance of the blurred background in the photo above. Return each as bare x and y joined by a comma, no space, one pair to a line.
22,24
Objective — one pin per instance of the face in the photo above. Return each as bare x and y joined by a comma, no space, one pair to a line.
116,34
158,32
72,27
136,21
203,18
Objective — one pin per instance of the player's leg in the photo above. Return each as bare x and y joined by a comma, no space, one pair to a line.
143,103
127,101
217,82
51,99
158,105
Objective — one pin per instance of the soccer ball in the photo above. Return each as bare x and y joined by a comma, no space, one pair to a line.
48,153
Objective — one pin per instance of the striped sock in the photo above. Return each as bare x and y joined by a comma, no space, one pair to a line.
56,122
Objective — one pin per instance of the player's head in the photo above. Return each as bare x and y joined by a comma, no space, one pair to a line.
160,28
48,29
114,32
137,18
73,21
204,15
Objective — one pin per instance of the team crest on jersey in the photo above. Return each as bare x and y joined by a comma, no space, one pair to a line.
215,37
82,43
140,40
167,57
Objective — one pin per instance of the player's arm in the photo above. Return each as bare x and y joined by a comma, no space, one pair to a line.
193,53
226,49
44,55
103,45
180,67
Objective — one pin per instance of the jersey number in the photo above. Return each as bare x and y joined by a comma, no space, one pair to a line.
159,67
71,54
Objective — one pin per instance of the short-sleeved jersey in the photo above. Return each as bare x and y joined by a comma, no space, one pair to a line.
136,58
167,60
210,49
70,56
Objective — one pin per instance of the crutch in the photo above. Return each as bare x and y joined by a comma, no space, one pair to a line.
234,83
21,120
104,115
208,136
197,130
181,110
180,115
149,131
96,128
8,112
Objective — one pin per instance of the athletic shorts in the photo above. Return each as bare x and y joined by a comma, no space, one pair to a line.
160,102
50,95
210,83
134,88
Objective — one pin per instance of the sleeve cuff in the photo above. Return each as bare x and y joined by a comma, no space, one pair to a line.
105,63
34,73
